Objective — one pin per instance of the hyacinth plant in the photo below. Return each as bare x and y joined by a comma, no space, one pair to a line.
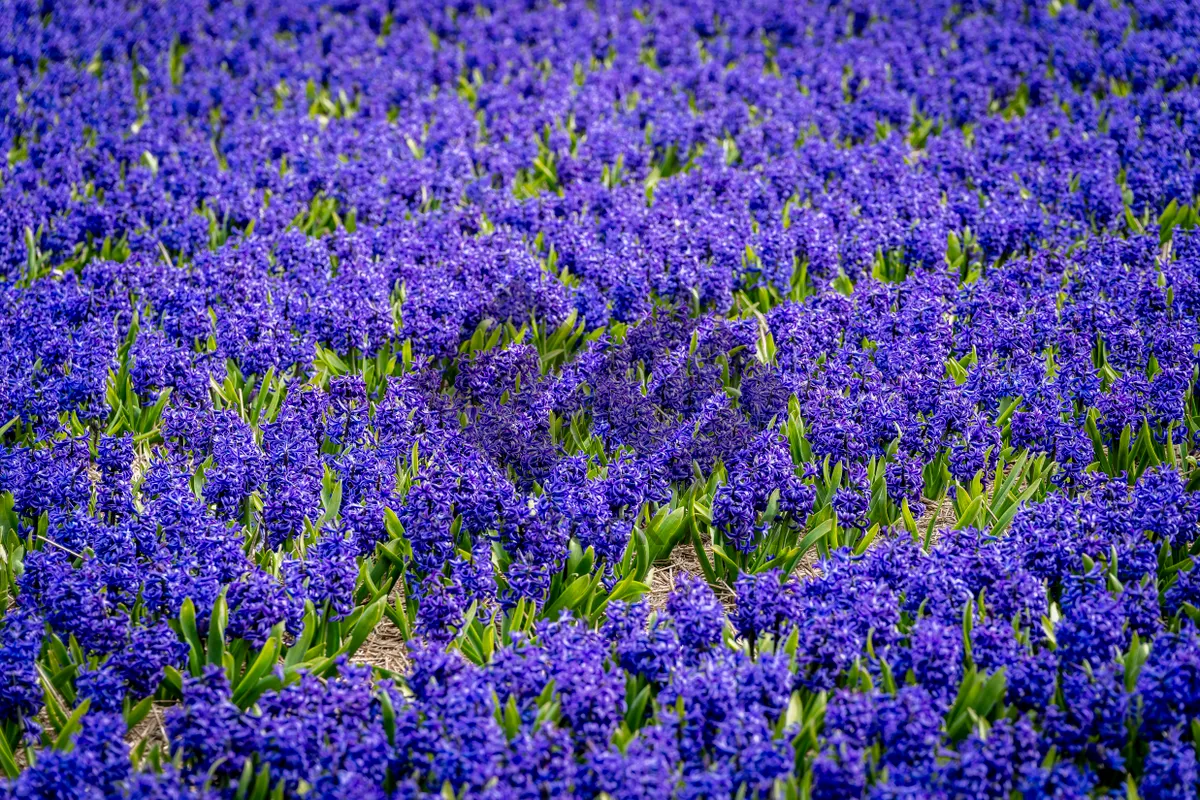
454,326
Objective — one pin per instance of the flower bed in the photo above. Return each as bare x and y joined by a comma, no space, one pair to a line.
367,365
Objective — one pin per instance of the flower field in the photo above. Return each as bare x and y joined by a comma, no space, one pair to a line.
609,399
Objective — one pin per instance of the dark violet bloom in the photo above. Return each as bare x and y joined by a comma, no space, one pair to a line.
526,580
20,643
1065,781
327,575
104,687
1169,682
580,505
648,649
906,481
440,611
73,600
1170,770
696,614
833,633
760,759
207,731
766,604
114,460
477,576
257,603
239,465
851,507
755,473
341,716
574,660
1139,603
934,656
53,475
167,785
646,769
1093,626
903,731
839,773
1185,588
1091,723
1164,508
94,768
992,766
906,725
150,650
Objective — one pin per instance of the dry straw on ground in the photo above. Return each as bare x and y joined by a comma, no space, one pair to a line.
387,650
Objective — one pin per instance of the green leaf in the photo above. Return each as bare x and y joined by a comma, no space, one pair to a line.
668,530
815,535
628,588
968,517
262,784
244,693
511,719
389,715
1147,446
398,614
991,693
187,627
1006,516
1015,473
1167,220
910,524
1098,449
137,713
635,713
8,761
702,556
1135,225
731,566
569,597
365,624
71,726
216,630
866,540
299,648
392,523
1120,459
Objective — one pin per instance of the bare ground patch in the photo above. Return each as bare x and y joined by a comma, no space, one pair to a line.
385,648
